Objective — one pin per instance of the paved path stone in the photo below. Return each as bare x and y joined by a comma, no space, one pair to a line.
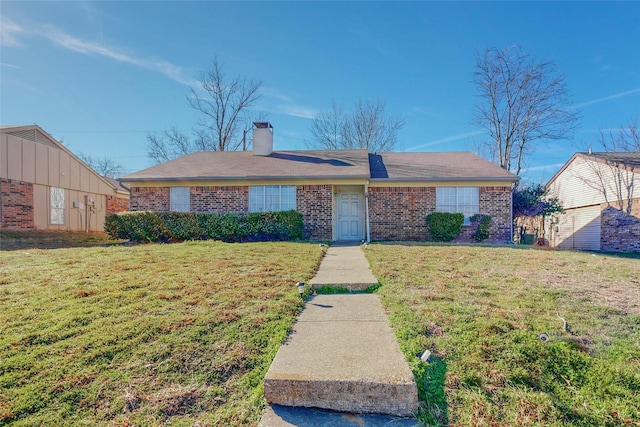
344,265
342,355
342,363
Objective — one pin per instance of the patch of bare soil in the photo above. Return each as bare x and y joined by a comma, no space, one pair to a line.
614,285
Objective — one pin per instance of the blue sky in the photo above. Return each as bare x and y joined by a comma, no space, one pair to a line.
101,75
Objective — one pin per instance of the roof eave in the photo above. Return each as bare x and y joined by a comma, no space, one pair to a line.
445,179
244,178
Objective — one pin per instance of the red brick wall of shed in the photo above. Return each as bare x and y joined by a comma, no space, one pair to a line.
315,203
398,213
496,202
149,199
231,199
620,231
117,204
16,204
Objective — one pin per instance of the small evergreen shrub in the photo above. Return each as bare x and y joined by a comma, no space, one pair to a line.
482,223
179,226
444,226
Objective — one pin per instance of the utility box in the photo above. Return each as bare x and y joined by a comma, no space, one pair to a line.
78,205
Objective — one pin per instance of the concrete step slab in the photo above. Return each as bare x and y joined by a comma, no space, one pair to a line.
342,355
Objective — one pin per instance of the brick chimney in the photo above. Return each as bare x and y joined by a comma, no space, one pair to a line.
262,138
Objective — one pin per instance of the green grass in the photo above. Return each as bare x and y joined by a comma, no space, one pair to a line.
178,334
97,332
480,310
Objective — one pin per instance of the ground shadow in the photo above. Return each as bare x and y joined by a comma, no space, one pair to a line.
36,239
430,379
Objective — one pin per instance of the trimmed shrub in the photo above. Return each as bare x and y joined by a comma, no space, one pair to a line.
137,226
444,226
483,226
182,225
179,226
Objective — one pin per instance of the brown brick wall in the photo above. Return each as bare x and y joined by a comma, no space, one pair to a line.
117,204
16,204
619,231
496,202
315,203
230,199
398,213
149,199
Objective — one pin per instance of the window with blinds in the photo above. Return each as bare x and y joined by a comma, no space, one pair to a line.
464,200
272,198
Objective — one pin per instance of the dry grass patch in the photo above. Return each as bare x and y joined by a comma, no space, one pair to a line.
178,334
40,239
480,311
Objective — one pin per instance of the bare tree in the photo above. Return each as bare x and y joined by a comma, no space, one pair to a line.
223,108
367,128
327,129
223,103
522,102
613,172
169,144
105,166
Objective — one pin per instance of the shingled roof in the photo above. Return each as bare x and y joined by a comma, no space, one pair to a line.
628,158
449,166
323,164
230,165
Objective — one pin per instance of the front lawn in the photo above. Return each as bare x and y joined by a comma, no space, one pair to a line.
178,334
481,310
182,334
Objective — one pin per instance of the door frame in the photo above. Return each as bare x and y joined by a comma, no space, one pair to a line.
348,189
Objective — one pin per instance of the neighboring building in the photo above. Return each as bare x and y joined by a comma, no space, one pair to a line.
45,186
596,190
345,195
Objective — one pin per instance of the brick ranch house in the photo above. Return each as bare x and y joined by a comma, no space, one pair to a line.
44,186
343,195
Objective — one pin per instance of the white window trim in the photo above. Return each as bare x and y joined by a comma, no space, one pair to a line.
260,206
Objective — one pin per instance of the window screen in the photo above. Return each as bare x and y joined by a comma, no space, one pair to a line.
180,199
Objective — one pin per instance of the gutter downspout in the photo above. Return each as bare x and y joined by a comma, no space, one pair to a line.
511,222
366,208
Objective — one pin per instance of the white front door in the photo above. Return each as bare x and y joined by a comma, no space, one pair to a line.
349,215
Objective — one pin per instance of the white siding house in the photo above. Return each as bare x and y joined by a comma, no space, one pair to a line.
586,185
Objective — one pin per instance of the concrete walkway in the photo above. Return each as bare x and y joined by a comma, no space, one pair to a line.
341,356
344,265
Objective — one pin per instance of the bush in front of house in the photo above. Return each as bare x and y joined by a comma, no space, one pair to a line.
444,226
482,223
137,226
179,226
